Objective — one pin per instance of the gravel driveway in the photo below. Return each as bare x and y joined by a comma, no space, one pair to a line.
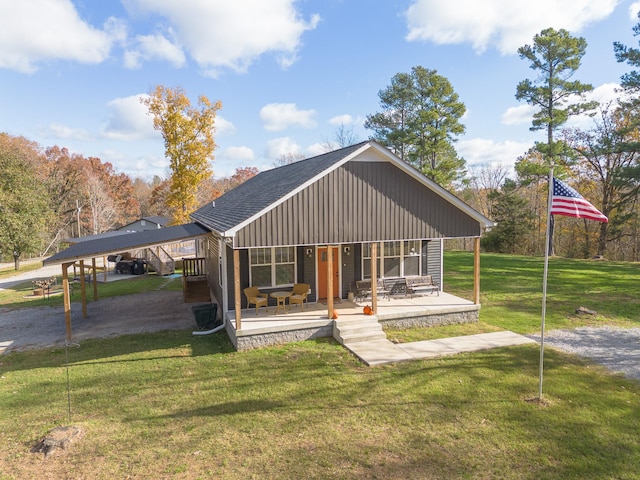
617,349
32,328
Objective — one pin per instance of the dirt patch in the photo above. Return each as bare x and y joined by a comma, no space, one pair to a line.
60,438
42,327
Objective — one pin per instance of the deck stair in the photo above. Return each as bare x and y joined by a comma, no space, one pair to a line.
358,328
196,290
195,287
160,261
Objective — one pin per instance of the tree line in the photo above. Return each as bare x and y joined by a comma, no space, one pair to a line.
48,195
421,120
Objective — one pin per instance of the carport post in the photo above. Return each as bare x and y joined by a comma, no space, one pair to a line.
83,289
67,299
95,279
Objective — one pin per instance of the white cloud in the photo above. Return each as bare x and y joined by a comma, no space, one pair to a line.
65,132
484,152
224,127
144,166
338,120
320,148
518,115
282,147
280,116
605,93
231,158
242,154
41,30
223,34
503,24
128,120
154,47
634,8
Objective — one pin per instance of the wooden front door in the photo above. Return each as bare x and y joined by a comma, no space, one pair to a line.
322,272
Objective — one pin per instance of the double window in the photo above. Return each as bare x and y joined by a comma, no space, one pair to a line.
398,259
272,267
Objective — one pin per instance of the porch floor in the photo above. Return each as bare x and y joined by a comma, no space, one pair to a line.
315,314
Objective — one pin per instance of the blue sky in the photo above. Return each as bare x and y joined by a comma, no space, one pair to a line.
288,73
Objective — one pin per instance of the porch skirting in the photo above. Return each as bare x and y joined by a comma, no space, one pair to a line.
434,317
251,340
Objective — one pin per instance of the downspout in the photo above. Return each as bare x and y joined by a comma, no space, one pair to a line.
217,329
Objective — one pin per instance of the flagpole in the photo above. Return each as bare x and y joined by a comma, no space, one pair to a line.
544,279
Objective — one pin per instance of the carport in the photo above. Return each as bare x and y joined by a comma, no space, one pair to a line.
102,247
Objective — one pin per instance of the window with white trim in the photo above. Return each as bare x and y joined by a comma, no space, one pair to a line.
392,254
411,258
273,266
398,259
366,261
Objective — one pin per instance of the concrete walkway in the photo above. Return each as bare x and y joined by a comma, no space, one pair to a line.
379,352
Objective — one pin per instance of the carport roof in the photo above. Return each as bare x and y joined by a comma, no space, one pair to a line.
122,243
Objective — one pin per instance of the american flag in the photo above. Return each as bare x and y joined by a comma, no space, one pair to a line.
566,201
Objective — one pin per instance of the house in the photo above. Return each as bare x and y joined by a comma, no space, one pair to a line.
363,204
329,221
146,223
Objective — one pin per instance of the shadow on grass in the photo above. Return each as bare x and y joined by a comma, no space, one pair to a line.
172,344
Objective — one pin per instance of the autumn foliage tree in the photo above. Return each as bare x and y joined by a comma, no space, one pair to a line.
189,144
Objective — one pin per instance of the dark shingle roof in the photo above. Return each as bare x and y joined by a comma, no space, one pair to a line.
122,243
158,219
266,188
87,238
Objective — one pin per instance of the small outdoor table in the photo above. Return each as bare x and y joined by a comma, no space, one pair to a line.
281,299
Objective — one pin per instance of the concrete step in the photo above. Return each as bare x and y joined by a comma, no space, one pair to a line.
357,320
362,337
356,329
363,328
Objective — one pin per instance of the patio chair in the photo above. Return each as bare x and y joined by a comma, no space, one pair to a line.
299,294
257,298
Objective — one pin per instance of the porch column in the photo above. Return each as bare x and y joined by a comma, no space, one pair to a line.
476,270
236,288
330,280
104,270
83,289
374,278
95,279
67,299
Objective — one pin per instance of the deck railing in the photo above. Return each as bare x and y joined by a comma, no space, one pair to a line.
194,267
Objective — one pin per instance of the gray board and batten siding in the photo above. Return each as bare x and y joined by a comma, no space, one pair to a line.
361,193
358,202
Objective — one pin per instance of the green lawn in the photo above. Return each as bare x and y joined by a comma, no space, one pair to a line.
171,405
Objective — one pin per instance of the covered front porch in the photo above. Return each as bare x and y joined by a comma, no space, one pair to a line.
266,328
